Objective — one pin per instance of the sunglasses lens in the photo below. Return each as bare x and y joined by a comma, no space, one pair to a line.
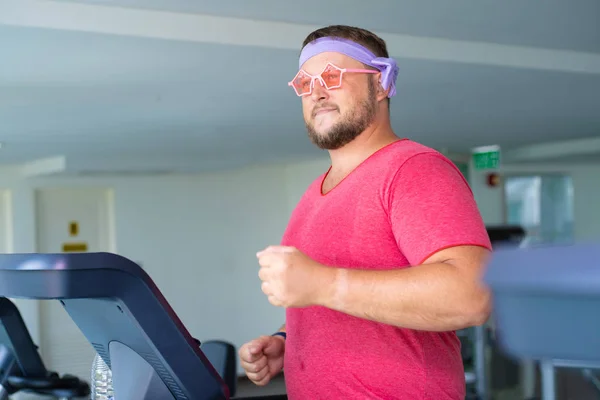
301,83
332,77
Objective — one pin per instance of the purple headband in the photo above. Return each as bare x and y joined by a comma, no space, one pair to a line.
387,66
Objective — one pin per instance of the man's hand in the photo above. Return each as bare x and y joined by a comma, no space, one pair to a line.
262,358
289,277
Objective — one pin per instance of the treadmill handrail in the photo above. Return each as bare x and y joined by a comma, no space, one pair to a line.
540,270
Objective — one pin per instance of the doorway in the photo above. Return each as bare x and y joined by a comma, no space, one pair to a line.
70,220
5,222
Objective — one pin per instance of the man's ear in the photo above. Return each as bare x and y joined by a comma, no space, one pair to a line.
381,93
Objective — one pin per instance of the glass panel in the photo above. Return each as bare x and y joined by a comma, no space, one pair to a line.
542,205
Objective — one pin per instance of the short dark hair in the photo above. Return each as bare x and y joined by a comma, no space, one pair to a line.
361,36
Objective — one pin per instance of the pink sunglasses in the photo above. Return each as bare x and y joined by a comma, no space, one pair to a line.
330,78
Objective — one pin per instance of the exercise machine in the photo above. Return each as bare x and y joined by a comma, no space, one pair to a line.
546,305
476,341
125,317
21,367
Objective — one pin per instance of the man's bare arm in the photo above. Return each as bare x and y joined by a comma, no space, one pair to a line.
444,293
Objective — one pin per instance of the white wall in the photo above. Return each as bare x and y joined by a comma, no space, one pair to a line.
586,189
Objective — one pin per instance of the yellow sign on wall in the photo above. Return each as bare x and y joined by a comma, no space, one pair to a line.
74,247
73,228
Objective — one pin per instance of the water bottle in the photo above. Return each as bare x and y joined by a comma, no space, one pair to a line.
102,385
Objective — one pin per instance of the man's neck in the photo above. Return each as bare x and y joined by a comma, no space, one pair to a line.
354,153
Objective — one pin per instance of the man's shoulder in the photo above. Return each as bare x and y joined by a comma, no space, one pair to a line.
397,155
405,149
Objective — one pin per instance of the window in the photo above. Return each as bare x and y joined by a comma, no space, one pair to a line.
542,205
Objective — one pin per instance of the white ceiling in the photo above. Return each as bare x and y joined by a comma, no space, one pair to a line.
194,84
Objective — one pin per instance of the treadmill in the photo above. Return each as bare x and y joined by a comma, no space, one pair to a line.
476,340
546,307
21,367
123,315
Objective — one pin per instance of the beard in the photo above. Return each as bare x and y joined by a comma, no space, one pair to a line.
350,126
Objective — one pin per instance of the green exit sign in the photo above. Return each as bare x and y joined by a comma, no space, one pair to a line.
487,157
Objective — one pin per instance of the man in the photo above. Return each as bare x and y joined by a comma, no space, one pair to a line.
383,256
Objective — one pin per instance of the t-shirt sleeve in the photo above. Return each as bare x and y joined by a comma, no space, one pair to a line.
432,208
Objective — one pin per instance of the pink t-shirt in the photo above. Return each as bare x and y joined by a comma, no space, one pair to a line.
396,209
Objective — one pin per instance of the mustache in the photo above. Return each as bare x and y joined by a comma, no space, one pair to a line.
323,106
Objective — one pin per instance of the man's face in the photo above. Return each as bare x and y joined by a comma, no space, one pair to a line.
336,117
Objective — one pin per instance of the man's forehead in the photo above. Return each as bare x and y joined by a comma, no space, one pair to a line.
315,65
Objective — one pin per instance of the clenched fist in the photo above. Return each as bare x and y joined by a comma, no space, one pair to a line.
290,278
262,358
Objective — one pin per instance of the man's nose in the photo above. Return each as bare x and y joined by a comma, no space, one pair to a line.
319,91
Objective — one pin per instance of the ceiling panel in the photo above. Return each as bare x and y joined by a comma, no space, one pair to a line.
555,24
